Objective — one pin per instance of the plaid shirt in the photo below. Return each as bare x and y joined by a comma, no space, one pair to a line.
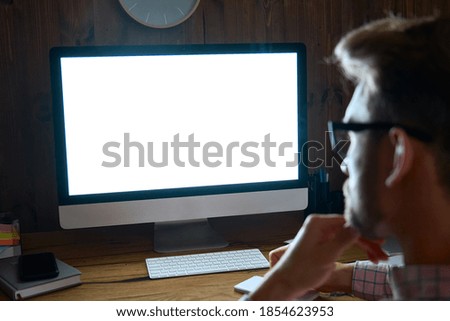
414,282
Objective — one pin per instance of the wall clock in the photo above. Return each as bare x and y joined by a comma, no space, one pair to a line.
159,13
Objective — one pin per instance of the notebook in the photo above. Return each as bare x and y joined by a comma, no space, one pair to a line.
19,290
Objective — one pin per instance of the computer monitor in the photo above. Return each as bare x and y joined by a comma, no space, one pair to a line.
178,133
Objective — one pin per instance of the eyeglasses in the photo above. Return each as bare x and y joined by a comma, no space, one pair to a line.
340,141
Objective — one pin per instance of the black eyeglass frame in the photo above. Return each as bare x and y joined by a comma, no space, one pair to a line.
357,127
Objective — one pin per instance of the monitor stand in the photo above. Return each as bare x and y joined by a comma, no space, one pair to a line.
186,236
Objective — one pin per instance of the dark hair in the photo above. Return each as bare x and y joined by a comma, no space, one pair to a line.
405,64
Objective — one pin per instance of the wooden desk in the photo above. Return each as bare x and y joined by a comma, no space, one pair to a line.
112,259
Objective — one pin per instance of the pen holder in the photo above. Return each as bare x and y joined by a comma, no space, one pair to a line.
320,198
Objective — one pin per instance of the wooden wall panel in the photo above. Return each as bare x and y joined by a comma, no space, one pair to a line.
29,28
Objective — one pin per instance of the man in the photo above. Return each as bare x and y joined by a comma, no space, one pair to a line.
398,125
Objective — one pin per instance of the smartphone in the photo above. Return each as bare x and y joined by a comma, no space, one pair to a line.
37,266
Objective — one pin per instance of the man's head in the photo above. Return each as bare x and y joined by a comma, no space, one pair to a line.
402,72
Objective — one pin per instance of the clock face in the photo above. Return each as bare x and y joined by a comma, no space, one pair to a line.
160,13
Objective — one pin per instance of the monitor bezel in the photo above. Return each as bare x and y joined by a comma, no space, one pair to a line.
194,49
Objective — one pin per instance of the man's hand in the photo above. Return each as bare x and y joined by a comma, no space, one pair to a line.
309,260
341,277
275,255
373,249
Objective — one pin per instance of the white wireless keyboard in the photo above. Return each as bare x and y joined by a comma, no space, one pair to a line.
207,263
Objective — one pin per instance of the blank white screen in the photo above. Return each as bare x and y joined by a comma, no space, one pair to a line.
227,100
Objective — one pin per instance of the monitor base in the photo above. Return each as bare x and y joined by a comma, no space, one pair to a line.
186,236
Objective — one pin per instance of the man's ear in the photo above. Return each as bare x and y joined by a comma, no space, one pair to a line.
403,156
